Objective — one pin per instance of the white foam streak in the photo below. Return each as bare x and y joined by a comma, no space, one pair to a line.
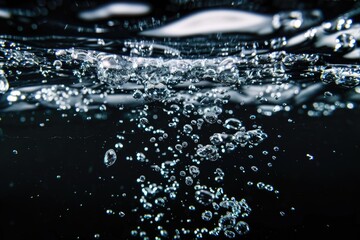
4,13
115,9
354,54
213,21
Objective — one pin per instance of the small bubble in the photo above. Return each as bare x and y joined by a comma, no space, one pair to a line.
57,64
194,171
187,129
233,123
260,185
189,181
137,94
206,216
4,84
345,42
328,94
101,42
121,214
254,168
229,234
15,152
141,179
269,188
110,157
242,228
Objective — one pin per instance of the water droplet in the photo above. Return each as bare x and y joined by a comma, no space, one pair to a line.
110,157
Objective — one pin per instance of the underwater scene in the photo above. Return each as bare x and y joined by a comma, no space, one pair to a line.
179,119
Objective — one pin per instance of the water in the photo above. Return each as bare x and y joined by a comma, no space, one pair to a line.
179,119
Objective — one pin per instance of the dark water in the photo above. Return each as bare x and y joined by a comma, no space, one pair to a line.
179,120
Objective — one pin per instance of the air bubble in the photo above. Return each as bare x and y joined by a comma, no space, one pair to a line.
189,181
345,43
209,152
242,228
57,64
227,222
137,94
232,123
229,234
204,197
110,157
4,84
206,216
187,129
194,171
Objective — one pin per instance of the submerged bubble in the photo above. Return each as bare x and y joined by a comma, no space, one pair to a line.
256,136
110,157
343,76
204,197
226,222
209,152
229,234
4,84
113,70
137,94
232,123
206,216
157,91
57,64
345,42
194,171
242,228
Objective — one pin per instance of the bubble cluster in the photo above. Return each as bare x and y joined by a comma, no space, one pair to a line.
342,76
